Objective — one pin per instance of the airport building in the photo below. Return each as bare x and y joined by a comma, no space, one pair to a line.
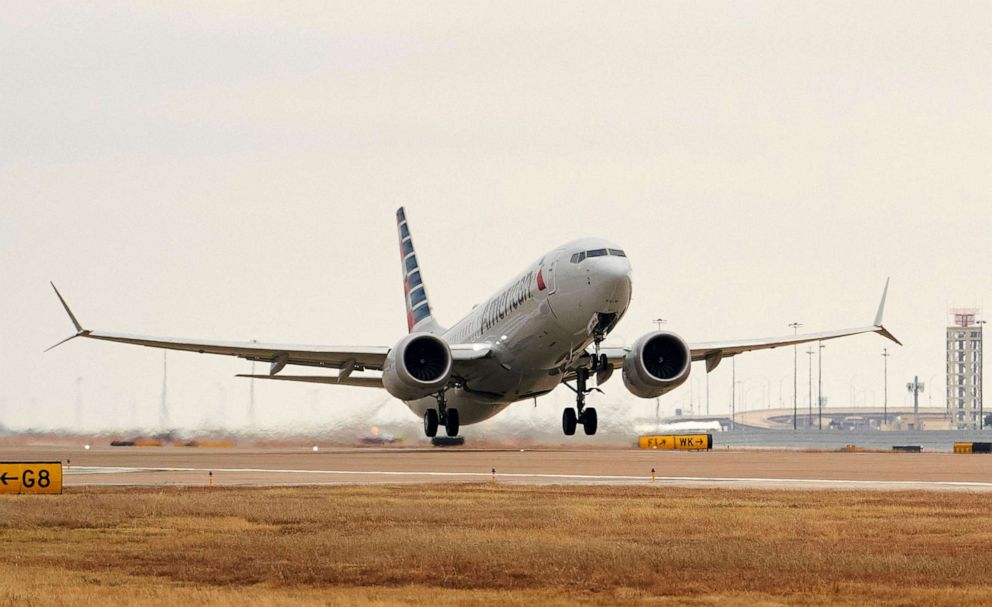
964,369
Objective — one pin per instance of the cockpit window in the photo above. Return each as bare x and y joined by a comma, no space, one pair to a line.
581,256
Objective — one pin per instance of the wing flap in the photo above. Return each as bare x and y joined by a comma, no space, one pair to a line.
364,382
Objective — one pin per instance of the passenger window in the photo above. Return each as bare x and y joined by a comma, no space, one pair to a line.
617,252
596,253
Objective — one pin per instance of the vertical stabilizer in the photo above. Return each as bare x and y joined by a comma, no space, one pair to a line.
419,316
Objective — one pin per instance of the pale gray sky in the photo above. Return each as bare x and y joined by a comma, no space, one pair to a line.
230,170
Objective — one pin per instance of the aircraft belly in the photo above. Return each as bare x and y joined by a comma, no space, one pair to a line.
471,410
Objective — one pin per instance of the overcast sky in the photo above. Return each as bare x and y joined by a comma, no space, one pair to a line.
230,171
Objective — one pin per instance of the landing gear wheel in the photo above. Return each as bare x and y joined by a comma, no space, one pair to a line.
451,422
568,421
589,421
430,423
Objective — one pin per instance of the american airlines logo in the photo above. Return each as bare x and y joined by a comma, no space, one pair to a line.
509,300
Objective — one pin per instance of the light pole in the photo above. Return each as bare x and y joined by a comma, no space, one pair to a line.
885,398
251,394
795,374
733,392
979,363
819,387
809,418
163,409
657,400
707,393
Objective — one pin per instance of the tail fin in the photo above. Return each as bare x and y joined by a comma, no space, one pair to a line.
418,308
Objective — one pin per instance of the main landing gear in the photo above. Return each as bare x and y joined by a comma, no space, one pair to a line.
443,415
570,418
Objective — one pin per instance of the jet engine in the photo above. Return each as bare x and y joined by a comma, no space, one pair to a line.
417,366
657,363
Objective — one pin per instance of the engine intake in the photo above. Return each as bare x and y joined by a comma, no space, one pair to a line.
419,365
657,363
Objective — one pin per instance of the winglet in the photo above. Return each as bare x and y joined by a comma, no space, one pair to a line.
79,328
881,305
885,333
881,330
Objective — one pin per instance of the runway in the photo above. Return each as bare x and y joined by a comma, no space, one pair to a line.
179,466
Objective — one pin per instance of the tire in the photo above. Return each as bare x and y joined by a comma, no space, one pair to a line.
430,423
451,422
590,421
568,421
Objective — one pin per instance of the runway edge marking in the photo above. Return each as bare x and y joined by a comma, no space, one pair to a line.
82,470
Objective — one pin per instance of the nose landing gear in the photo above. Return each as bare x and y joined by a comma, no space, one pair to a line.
443,415
581,414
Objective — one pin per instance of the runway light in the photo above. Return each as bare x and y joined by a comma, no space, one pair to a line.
87,447
316,448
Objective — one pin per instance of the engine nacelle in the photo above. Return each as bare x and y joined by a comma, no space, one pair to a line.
657,363
417,366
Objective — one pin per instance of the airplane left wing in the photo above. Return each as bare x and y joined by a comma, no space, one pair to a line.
348,358
714,352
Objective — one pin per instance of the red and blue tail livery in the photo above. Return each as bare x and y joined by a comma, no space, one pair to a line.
418,308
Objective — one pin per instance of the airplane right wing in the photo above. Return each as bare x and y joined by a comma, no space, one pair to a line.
347,359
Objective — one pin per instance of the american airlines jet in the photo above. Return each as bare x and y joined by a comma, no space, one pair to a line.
544,328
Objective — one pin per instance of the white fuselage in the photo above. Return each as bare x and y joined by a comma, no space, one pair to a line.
535,325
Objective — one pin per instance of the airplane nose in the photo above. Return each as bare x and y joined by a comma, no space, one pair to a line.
613,282
615,268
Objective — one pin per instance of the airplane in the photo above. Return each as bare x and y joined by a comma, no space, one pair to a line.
543,328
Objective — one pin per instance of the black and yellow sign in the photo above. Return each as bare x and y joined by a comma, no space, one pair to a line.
31,477
677,441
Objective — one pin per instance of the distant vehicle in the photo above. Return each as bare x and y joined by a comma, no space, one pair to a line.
375,436
543,328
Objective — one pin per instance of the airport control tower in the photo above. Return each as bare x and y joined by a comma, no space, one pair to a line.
964,369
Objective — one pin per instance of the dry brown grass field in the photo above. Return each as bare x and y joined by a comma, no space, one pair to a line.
485,544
